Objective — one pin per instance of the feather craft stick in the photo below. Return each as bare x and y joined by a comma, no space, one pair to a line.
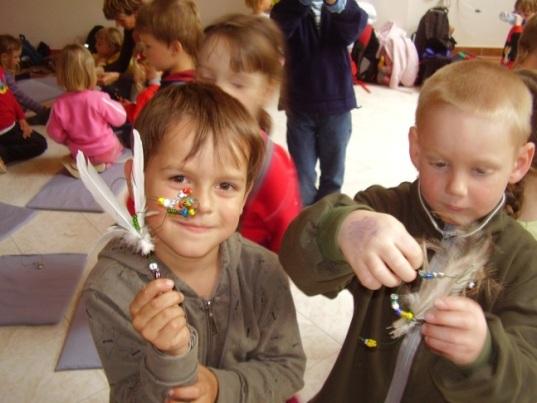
462,260
131,229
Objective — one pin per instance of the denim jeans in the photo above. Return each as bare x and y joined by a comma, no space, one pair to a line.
315,136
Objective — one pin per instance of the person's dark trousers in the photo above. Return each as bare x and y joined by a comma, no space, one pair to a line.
14,147
315,136
124,133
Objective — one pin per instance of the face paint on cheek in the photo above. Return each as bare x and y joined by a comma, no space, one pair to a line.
184,204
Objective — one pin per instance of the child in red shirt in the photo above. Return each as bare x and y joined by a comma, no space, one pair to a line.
17,139
243,55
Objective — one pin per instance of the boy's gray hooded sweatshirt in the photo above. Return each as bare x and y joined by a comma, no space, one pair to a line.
247,333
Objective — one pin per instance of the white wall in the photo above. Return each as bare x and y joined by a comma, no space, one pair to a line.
58,22
480,29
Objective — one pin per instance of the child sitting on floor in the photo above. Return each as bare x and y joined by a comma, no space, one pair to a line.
218,323
474,345
17,140
10,55
243,55
82,118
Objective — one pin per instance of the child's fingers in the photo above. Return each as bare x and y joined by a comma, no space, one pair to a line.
184,393
168,332
149,292
412,251
366,278
155,307
455,319
382,272
399,266
157,323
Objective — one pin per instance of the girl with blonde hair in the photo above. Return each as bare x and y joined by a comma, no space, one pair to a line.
82,118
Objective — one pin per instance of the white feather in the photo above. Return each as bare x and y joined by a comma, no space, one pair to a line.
461,259
138,182
138,240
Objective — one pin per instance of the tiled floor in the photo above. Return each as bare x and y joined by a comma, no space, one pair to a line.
377,154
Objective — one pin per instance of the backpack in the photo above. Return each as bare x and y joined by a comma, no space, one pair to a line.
433,41
364,55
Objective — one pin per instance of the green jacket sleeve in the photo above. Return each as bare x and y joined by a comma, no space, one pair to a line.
511,372
135,370
310,253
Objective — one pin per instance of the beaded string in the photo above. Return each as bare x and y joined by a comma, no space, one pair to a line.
408,315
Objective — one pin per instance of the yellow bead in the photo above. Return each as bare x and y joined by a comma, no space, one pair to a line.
161,201
371,343
191,212
407,315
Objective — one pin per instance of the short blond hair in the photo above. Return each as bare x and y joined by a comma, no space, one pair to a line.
113,8
75,68
112,36
172,20
217,117
480,88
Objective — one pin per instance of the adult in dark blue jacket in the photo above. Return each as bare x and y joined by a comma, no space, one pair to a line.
320,92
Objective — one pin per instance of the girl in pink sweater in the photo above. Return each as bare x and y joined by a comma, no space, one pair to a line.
83,117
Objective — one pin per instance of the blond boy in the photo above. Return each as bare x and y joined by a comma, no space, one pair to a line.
470,140
234,336
170,32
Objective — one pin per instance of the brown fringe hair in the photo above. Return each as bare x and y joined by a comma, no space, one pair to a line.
256,45
217,117
172,20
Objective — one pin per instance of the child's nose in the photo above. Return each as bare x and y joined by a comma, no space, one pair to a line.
205,199
456,185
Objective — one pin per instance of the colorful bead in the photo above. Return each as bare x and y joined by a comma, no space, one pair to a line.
408,315
184,204
370,343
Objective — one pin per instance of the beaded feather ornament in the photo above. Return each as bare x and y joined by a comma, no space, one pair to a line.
458,262
132,228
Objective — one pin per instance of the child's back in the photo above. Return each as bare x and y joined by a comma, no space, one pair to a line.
82,118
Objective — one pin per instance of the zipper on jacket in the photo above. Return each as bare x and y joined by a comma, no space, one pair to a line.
211,323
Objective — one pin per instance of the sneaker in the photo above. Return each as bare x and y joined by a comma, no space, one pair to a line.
3,167
70,165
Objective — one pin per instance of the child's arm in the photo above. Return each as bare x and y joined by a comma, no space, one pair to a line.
348,21
112,111
55,128
507,368
23,99
136,371
289,13
336,239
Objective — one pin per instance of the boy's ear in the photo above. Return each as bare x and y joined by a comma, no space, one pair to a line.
176,46
414,146
523,161
127,169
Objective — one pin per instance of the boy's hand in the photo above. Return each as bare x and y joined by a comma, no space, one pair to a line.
26,129
205,390
159,319
379,249
456,329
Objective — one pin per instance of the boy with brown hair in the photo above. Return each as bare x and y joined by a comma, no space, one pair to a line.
170,31
478,343
218,323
